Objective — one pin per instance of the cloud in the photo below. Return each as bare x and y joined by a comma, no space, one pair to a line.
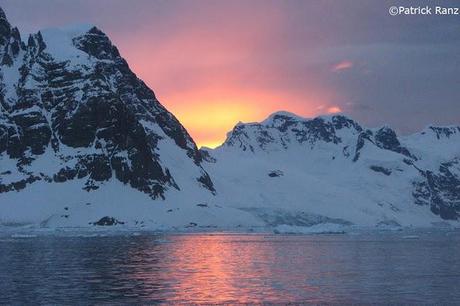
343,65
334,110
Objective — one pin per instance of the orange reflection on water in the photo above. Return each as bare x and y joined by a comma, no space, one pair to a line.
221,269
209,266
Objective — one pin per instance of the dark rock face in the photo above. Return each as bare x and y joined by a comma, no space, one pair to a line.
381,170
108,221
206,156
10,41
362,138
440,190
386,139
206,182
97,44
444,131
275,173
318,129
90,112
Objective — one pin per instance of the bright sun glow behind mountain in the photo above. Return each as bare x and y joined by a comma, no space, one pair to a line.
210,115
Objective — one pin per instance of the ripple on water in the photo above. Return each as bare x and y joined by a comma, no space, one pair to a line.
219,268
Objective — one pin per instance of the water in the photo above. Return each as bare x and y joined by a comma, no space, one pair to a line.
233,268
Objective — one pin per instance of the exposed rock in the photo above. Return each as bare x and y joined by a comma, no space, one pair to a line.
379,169
440,190
275,173
107,221
386,138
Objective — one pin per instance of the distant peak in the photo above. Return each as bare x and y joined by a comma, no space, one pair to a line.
441,131
67,41
283,115
443,127
95,30
96,43
331,117
288,116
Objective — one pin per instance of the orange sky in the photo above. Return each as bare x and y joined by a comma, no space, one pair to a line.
212,74
211,84
208,114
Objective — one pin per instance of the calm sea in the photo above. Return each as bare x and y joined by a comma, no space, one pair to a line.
387,268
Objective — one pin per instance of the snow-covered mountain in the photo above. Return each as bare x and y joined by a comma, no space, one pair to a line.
78,127
84,142
294,171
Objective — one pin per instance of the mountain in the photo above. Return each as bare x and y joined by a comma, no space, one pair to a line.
85,143
288,170
78,127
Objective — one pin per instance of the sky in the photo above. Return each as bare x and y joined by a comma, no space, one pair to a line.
214,63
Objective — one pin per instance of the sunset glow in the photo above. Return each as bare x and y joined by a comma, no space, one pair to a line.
212,78
209,107
209,116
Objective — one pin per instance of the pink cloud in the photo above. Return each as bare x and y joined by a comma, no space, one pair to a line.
334,110
343,65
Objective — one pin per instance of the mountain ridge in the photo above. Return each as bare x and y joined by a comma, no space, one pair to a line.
84,142
328,140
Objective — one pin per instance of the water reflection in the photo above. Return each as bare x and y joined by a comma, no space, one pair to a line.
226,269
230,269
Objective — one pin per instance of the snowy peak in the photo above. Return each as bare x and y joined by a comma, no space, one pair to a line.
66,41
71,97
282,120
281,117
281,130
284,129
442,132
95,43
77,44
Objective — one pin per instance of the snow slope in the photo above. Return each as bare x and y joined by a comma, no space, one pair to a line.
291,170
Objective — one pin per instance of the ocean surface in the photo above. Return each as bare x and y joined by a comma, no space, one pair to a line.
136,268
